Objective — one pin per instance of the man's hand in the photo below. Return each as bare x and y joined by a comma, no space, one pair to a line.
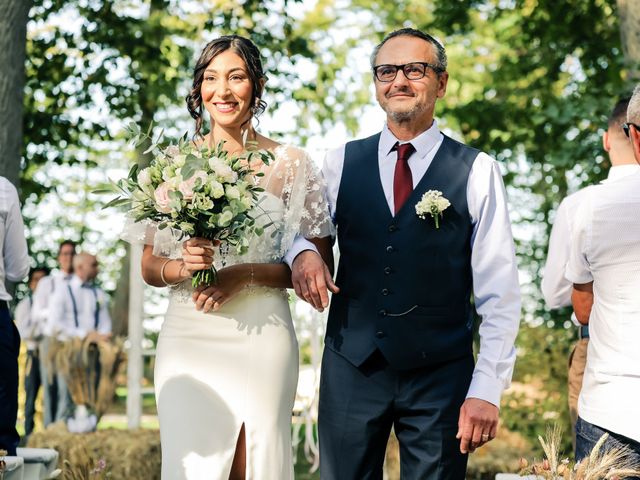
311,279
477,425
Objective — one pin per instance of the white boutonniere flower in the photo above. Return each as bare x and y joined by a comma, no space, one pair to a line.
432,203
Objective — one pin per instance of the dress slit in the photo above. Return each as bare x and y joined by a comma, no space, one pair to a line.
238,455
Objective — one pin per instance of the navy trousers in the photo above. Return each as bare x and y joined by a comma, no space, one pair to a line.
32,382
359,405
9,350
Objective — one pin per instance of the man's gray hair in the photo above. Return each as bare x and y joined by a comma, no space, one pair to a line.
633,110
412,32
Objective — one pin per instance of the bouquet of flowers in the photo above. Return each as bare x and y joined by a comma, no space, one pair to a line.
195,190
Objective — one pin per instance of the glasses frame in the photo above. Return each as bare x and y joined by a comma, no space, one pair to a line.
626,127
436,68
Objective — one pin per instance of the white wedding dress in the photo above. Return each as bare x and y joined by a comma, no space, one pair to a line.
218,371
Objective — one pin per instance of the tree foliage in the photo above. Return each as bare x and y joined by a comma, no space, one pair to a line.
531,83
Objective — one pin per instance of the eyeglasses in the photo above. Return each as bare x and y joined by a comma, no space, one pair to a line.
412,71
627,126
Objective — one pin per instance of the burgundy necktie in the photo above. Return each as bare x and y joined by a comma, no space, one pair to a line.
402,180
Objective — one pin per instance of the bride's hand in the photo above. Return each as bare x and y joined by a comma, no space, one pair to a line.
197,254
231,280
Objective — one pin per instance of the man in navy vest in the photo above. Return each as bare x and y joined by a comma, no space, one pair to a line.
398,348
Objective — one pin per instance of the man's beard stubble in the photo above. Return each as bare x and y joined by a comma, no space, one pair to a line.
406,116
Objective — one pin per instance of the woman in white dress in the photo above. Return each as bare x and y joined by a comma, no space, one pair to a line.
227,356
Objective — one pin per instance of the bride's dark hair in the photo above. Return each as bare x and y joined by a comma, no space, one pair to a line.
247,50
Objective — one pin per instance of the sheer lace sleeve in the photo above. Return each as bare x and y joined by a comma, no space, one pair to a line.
166,242
295,179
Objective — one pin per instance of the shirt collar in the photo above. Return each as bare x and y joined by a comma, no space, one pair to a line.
620,171
76,281
423,143
62,275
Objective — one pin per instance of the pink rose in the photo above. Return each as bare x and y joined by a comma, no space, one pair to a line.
186,187
161,195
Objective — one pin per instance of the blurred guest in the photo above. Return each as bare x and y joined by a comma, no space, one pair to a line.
54,405
556,289
14,266
31,335
604,266
80,310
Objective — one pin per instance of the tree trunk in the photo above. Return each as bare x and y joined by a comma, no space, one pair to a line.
629,15
13,40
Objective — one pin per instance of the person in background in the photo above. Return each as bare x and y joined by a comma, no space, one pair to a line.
54,405
604,267
31,335
80,310
556,289
14,266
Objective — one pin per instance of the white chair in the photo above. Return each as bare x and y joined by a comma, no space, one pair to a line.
14,469
39,463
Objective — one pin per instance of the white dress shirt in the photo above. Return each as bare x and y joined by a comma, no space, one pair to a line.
495,276
14,260
606,250
556,289
73,310
27,326
57,280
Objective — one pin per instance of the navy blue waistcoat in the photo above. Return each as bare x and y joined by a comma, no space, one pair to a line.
405,286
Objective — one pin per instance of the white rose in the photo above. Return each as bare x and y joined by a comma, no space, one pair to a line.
224,172
232,192
217,190
144,177
172,151
224,219
247,200
179,160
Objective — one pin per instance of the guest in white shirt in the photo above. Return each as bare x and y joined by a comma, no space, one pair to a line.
14,266
31,335
556,289
80,309
604,266
54,405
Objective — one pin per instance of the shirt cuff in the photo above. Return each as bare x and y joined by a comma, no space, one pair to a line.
300,244
486,388
578,277
574,319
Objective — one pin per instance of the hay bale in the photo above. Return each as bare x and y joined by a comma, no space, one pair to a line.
133,454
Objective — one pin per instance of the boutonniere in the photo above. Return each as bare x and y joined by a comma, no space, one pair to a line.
432,203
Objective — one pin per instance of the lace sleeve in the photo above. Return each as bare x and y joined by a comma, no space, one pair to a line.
299,183
166,242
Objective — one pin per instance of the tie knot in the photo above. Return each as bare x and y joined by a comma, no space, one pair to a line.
87,285
404,150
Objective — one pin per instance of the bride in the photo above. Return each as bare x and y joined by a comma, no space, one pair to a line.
227,356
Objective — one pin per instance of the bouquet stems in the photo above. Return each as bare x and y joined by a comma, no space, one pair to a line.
205,277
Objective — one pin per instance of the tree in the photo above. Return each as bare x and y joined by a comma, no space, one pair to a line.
13,24
629,15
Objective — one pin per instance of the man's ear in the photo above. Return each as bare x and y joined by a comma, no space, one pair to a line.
606,142
634,135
